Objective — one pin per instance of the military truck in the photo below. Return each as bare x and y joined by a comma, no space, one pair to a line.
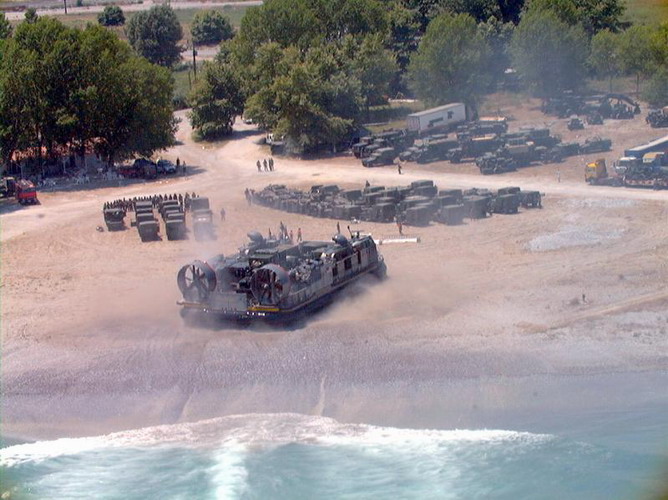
114,218
202,219
491,163
595,145
382,156
435,149
472,147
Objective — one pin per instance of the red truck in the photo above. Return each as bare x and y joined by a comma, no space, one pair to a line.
26,193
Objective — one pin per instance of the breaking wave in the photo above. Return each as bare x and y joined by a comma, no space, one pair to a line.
297,456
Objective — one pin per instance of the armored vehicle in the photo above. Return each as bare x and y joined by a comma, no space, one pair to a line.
575,123
275,280
657,118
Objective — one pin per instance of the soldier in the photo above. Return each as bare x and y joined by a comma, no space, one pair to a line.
259,166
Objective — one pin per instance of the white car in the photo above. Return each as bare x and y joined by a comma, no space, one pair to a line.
166,167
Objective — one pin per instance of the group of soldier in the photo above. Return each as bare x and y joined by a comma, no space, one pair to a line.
249,193
128,204
268,165
286,235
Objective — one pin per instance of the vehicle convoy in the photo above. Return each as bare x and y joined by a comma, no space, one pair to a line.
275,280
25,192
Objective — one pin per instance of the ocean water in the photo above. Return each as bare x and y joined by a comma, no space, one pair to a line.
286,456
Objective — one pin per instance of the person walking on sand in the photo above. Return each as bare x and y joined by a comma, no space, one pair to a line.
558,175
400,226
259,166
222,215
338,228
292,236
266,167
299,234
271,164
399,168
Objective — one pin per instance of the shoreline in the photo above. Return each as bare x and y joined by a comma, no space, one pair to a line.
92,339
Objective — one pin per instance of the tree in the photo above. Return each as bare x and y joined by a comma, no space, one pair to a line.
448,65
656,90
210,27
30,16
112,15
5,27
63,88
374,66
592,15
604,57
549,54
155,34
312,100
480,10
216,101
636,52
497,34
305,23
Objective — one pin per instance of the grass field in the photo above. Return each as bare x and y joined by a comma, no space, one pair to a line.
185,16
647,11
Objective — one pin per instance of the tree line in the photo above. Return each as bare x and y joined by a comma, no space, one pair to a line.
80,90
309,70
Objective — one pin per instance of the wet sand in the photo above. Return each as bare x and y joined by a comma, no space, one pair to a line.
475,322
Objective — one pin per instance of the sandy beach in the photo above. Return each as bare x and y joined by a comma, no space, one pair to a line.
468,320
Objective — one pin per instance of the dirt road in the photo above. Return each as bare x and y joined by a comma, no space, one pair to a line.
92,340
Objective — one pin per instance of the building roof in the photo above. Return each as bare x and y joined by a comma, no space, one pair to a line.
652,144
439,108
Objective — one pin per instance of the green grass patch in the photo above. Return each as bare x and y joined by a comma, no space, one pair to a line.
646,11
183,79
185,16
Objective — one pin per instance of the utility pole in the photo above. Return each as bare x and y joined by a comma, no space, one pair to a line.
194,61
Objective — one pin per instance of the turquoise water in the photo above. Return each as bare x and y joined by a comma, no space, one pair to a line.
297,456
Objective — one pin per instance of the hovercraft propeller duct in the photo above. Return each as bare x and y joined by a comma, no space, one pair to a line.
196,281
270,284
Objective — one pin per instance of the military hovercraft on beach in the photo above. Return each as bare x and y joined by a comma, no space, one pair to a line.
274,279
